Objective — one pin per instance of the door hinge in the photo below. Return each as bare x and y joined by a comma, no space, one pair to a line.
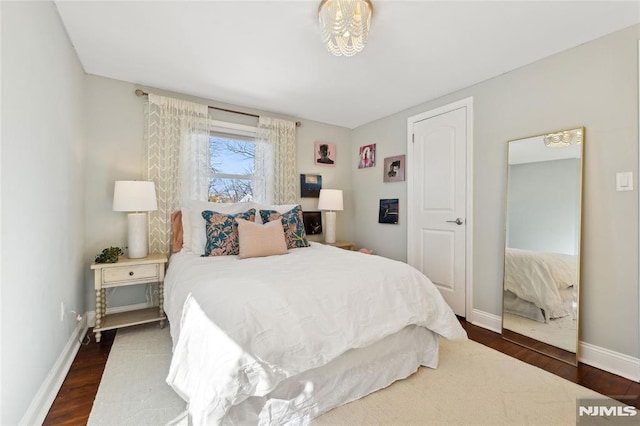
413,138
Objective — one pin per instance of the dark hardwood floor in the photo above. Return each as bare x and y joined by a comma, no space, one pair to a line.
75,399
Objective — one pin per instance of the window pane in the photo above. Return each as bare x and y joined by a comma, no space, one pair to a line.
223,190
232,156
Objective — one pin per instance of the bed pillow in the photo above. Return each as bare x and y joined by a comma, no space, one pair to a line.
195,227
222,232
257,240
176,231
292,224
280,208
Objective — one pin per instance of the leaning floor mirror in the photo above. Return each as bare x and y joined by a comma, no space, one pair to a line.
541,285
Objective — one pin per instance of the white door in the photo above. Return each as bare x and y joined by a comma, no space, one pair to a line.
437,199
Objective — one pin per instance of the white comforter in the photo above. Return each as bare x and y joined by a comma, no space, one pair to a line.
240,327
539,278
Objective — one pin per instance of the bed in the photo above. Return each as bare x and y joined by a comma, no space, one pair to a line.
539,286
282,339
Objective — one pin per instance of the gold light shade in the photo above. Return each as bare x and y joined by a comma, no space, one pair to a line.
344,25
563,138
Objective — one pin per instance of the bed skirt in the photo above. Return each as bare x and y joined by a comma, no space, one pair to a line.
355,374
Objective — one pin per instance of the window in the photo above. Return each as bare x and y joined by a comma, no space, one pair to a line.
232,152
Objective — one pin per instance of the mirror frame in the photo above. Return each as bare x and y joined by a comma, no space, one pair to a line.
522,340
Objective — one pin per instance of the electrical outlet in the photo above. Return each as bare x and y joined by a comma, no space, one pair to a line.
62,310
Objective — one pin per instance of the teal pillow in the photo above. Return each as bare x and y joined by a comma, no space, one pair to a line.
222,232
292,224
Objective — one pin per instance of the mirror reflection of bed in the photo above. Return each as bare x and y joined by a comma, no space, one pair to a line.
549,313
542,243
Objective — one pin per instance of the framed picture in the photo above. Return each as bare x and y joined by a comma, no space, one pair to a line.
310,186
394,169
312,222
367,156
388,211
325,153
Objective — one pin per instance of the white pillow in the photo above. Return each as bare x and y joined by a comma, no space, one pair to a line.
195,239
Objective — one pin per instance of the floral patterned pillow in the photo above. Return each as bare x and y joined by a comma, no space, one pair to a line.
222,232
292,223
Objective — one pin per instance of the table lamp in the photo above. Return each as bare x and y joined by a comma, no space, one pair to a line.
137,198
330,200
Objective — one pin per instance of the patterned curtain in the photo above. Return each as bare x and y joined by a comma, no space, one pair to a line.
177,160
275,173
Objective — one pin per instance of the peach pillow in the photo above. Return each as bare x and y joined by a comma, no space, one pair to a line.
258,240
176,231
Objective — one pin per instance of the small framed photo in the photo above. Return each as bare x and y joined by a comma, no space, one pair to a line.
325,153
312,222
310,186
367,156
394,169
388,211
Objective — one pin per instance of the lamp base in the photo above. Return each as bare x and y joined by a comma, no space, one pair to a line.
138,236
330,228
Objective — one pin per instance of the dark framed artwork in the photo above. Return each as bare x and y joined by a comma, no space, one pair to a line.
310,186
388,211
312,222
367,156
394,169
325,153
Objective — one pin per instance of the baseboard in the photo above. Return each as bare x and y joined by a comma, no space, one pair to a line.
41,403
595,356
486,320
608,360
91,315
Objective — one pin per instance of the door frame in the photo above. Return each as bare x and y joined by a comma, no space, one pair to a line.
468,104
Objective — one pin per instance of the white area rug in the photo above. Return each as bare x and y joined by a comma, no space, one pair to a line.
133,390
473,385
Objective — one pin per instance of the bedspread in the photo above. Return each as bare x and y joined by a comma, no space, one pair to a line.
240,327
539,278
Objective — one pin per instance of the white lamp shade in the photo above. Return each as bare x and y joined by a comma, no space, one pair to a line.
330,199
134,196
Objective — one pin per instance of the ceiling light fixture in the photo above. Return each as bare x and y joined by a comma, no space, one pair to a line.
562,139
344,25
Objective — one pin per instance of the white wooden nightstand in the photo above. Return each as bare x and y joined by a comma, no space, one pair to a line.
343,245
123,273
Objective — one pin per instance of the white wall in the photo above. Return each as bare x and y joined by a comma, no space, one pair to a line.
115,120
593,85
337,176
43,174
114,152
390,137
543,200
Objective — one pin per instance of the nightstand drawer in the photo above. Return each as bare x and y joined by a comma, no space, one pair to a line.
130,273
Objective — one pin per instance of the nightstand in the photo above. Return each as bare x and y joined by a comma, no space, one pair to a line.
123,273
343,245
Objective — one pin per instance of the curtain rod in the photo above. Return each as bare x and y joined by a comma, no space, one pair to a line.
143,93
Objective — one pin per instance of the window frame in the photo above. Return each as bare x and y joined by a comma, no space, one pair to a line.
231,129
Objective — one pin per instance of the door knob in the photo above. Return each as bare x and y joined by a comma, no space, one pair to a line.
458,221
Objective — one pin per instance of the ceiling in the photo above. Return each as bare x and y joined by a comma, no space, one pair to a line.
268,55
